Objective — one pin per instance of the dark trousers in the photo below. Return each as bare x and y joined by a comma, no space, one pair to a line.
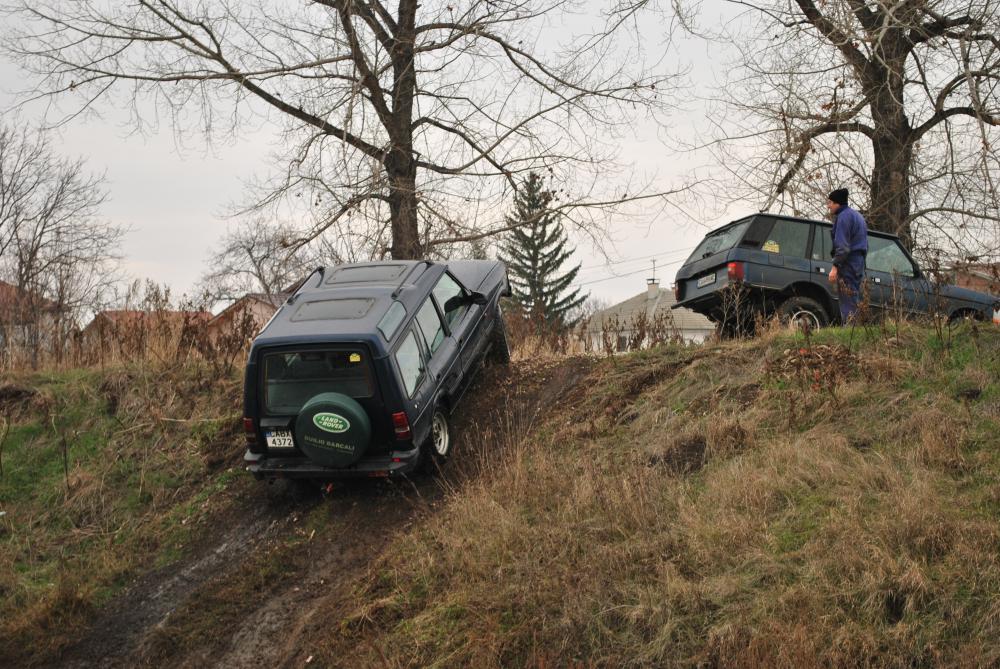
850,277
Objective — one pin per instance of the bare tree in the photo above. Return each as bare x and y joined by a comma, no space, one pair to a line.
254,257
899,100
53,249
404,121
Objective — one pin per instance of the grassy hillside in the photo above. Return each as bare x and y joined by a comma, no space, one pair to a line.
105,474
779,502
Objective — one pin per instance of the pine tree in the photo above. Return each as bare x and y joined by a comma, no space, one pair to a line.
535,251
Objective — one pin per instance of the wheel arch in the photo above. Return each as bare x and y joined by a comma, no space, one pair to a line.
810,290
966,312
444,401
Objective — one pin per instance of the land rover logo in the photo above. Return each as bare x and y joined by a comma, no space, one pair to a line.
331,422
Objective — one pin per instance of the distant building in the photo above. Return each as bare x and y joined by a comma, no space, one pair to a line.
645,318
26,319
983,277
259,307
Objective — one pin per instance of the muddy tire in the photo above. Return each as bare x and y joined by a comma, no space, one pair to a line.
499,346
333,430
803,310
965,314
438,447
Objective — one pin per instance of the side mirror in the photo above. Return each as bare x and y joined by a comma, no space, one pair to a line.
477,298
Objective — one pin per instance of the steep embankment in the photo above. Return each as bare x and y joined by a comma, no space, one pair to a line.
770,503
774,502
131,535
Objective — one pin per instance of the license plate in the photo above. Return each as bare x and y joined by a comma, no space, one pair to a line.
706,280
279,439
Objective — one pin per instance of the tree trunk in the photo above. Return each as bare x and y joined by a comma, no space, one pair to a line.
403,207
400,162
890,196
892,146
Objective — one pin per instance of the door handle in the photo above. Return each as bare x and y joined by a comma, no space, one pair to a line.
821,270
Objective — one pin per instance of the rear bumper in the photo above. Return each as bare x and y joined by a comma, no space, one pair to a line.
388,466
701,304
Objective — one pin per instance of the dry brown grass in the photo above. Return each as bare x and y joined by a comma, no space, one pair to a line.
695,524
81,519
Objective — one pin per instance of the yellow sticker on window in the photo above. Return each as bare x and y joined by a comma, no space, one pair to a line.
355,357
771,246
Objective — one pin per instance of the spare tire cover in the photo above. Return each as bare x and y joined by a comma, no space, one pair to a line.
333,430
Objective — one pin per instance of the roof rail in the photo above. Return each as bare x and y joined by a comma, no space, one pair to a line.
396,292
298,288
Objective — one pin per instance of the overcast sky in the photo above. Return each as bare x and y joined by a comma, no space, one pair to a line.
173,200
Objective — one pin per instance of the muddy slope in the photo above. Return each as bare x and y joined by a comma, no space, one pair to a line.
254,590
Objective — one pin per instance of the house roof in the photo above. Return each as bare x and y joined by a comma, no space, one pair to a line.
13,297
986,271
659,304
273,300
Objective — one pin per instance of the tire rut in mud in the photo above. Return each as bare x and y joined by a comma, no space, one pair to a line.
151,598
160,620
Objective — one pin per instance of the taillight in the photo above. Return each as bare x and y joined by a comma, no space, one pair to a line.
735,270
402,425
250,430
677,291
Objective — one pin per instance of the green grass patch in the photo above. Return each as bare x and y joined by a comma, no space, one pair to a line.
90,495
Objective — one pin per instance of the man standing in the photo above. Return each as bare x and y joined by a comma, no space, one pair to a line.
850,246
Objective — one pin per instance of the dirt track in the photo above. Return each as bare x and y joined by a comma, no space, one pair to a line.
160,618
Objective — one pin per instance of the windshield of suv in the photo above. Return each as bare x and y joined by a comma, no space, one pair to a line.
720,240
292,379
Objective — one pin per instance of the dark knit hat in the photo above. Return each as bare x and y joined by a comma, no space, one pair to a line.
839,196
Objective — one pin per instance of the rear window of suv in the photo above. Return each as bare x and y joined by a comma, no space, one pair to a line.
718,241
788,238
292,379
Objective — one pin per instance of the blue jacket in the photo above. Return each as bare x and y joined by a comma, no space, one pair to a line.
850,235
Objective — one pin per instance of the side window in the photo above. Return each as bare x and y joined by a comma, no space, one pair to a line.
449,296
430,325
757,232
787,238
885,255
410,360
393,317
822,244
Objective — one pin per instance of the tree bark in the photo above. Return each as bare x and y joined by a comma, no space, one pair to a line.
890,185
892,145
400,161
402,172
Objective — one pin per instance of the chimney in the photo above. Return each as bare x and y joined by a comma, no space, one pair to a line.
652,289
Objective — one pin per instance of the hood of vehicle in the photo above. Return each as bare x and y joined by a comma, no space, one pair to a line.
959,293
471,273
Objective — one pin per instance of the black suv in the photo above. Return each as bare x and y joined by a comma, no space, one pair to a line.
769,264
358,372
